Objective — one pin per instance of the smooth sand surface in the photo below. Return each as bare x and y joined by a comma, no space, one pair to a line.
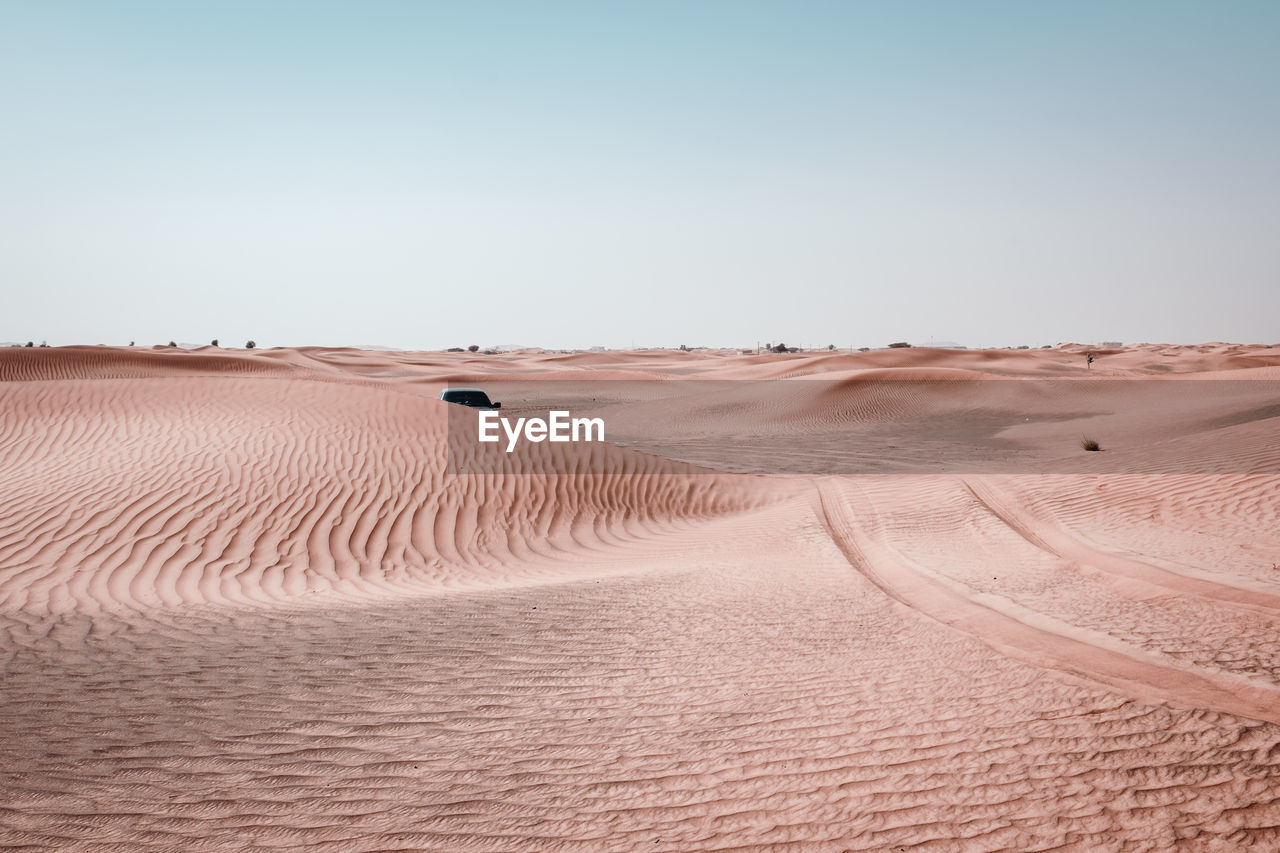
825,601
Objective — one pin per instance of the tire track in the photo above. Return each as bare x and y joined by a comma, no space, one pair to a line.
1051,537
1027,635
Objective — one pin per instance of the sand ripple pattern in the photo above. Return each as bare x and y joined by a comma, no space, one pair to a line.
265,490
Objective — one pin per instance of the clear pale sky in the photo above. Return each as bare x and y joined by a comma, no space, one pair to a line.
563,174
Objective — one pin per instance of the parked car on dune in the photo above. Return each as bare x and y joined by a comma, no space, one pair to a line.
471,397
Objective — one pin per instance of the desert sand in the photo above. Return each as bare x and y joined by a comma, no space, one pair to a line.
810,602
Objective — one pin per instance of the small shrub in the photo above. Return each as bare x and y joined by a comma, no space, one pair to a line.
455,349
831,347
473,348
864,349
250,344
1090,443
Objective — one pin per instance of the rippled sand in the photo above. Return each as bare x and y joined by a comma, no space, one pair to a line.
245,605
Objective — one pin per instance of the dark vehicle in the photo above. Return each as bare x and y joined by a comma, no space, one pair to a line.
471,397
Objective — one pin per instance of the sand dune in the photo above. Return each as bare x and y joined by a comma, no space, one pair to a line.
829,601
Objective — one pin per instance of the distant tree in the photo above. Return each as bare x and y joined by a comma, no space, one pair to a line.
684,348
473,348
172,344
31,343
779,348
899,345
831,347
44,343
864,349
455,349
250,345
213,343
130,343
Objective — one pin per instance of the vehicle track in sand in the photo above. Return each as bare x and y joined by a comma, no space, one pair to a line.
1028,634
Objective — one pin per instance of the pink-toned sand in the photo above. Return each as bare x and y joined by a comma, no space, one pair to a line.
245,606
